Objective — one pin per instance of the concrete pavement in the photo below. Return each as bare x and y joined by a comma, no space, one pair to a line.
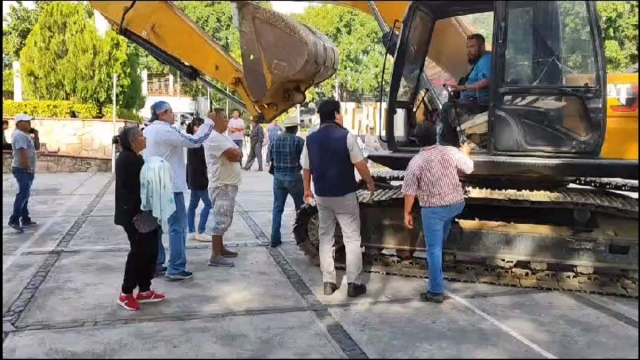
61,280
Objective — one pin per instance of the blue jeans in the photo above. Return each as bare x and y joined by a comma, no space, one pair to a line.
436,223
196,196
282,187
177,239
20,205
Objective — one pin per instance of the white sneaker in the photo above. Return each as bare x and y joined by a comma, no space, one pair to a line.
192,236
203,237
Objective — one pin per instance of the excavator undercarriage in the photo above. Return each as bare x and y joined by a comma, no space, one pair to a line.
558,238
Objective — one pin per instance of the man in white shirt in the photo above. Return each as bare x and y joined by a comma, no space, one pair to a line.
167,142
236,129
223,159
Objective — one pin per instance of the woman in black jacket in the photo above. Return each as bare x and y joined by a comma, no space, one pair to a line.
198,182
141,227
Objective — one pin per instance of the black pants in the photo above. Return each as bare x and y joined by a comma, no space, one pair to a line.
254,153
141,261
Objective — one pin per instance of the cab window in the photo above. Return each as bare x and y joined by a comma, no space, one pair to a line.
549,50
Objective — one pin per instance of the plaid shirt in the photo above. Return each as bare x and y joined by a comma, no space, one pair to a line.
432,176
285,155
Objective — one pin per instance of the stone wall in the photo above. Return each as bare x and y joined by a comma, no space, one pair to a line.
81,137
54,163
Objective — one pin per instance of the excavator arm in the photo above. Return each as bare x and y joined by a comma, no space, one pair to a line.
281,58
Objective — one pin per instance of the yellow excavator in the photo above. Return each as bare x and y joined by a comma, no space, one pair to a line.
525,223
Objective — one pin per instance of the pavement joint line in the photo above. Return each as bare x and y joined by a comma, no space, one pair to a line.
502,326
17,307
126,248
584,300
188,316
336,331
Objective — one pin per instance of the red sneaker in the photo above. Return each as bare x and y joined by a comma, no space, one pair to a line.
128,302
149,296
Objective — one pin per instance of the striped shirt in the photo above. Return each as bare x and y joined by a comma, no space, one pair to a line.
167,142
432,176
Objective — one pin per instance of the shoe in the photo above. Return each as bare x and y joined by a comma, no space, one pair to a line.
228,253
29,223
330,288
191,236
220,261
183,275
16,227
431,297
356,289
203,237
128,302
149,297
275,244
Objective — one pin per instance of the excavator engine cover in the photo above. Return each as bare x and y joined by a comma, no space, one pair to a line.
281,57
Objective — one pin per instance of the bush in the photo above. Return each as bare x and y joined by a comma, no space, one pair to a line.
50,109
64,110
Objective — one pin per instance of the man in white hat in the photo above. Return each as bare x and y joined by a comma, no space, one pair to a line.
287,177
23,167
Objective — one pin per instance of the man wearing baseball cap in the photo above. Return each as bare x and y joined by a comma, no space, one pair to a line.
23,167
168,142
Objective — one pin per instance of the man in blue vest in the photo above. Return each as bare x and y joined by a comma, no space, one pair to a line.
330,155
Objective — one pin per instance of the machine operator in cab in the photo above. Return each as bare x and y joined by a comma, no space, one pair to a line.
472,93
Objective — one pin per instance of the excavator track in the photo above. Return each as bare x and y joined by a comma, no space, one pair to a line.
578,276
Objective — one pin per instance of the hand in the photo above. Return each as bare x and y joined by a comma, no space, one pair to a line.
308,196
466,148
408,220
460,88
371,186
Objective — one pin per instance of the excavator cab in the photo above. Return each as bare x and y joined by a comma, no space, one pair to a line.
547,94
281,58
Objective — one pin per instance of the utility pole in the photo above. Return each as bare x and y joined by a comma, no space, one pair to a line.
113,146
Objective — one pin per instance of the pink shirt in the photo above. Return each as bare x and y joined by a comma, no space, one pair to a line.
236,123
432,176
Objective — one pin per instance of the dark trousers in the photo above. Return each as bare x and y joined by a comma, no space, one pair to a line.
450,119
20,205
255,152
141,261
281,189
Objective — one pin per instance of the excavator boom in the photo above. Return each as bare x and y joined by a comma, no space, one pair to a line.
281,58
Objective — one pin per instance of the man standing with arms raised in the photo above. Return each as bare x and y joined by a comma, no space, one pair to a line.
167,142
330,155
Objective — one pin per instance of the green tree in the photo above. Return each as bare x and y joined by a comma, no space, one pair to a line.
359,41
20,20
65,59
619,20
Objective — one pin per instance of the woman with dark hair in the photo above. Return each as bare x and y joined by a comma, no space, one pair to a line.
141,227
198,183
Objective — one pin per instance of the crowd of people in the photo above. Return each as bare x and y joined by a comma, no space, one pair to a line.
151,177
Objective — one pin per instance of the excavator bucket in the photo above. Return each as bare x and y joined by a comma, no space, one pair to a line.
281,58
